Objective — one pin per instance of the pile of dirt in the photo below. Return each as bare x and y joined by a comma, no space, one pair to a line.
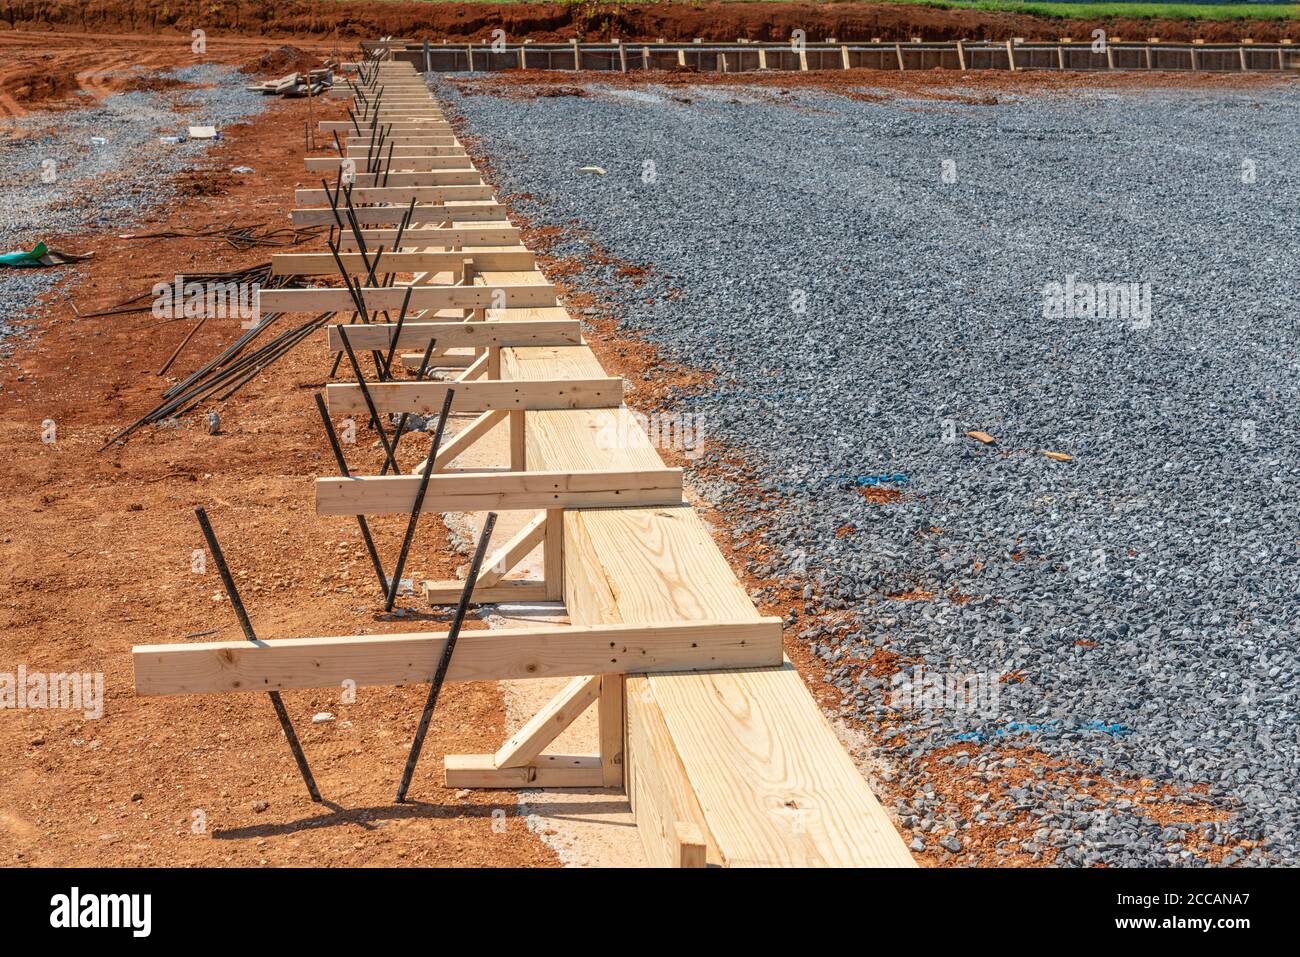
723,22
281,61
38,84
153,83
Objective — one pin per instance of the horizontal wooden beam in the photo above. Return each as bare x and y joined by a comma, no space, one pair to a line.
508,333
447,592
482,395
376,215
448,177
397,125
498,491
221,667
404,139
398,194
544,771
420,149
463,234
422,297
494,259
418,163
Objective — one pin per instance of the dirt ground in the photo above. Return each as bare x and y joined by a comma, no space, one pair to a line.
95,555
544,22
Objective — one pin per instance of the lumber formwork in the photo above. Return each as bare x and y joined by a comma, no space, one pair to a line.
725,756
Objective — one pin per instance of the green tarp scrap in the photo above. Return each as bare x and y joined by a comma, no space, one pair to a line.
42,255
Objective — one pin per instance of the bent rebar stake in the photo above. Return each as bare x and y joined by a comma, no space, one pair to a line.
343,470
378,424
419,501
285,724
440,674
401,422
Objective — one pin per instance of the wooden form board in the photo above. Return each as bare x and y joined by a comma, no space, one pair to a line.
773,785
417,335
492,258
329,164
221,667
399,194
422,297
482,395
461,233
497,491
385,215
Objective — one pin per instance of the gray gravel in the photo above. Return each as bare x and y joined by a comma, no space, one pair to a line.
1146,591
107,185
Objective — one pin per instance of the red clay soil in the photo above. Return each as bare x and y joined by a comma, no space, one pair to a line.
599,21
95,556
44,70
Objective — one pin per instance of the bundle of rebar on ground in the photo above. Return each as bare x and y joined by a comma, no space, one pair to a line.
238,237
226,373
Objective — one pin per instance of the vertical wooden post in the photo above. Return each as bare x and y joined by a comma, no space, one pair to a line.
1241,52
898,52
722,63
1148,54
523,57
961,55
553,554
577,61
803,59
1110,56
494,362
1060,56
844,56
645,58
611,730
681,58
518,460
1011,57
622,57
762,58
469,53
1193,52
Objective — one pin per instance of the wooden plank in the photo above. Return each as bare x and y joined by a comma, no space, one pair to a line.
482,395
422,297
398,194
546,771
545,726
416,335
399,152
611,729
448,592
475,234
504,560
552,652
379,215
661,796
497,491
323,264
774,783
412,163
445,177
463,440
